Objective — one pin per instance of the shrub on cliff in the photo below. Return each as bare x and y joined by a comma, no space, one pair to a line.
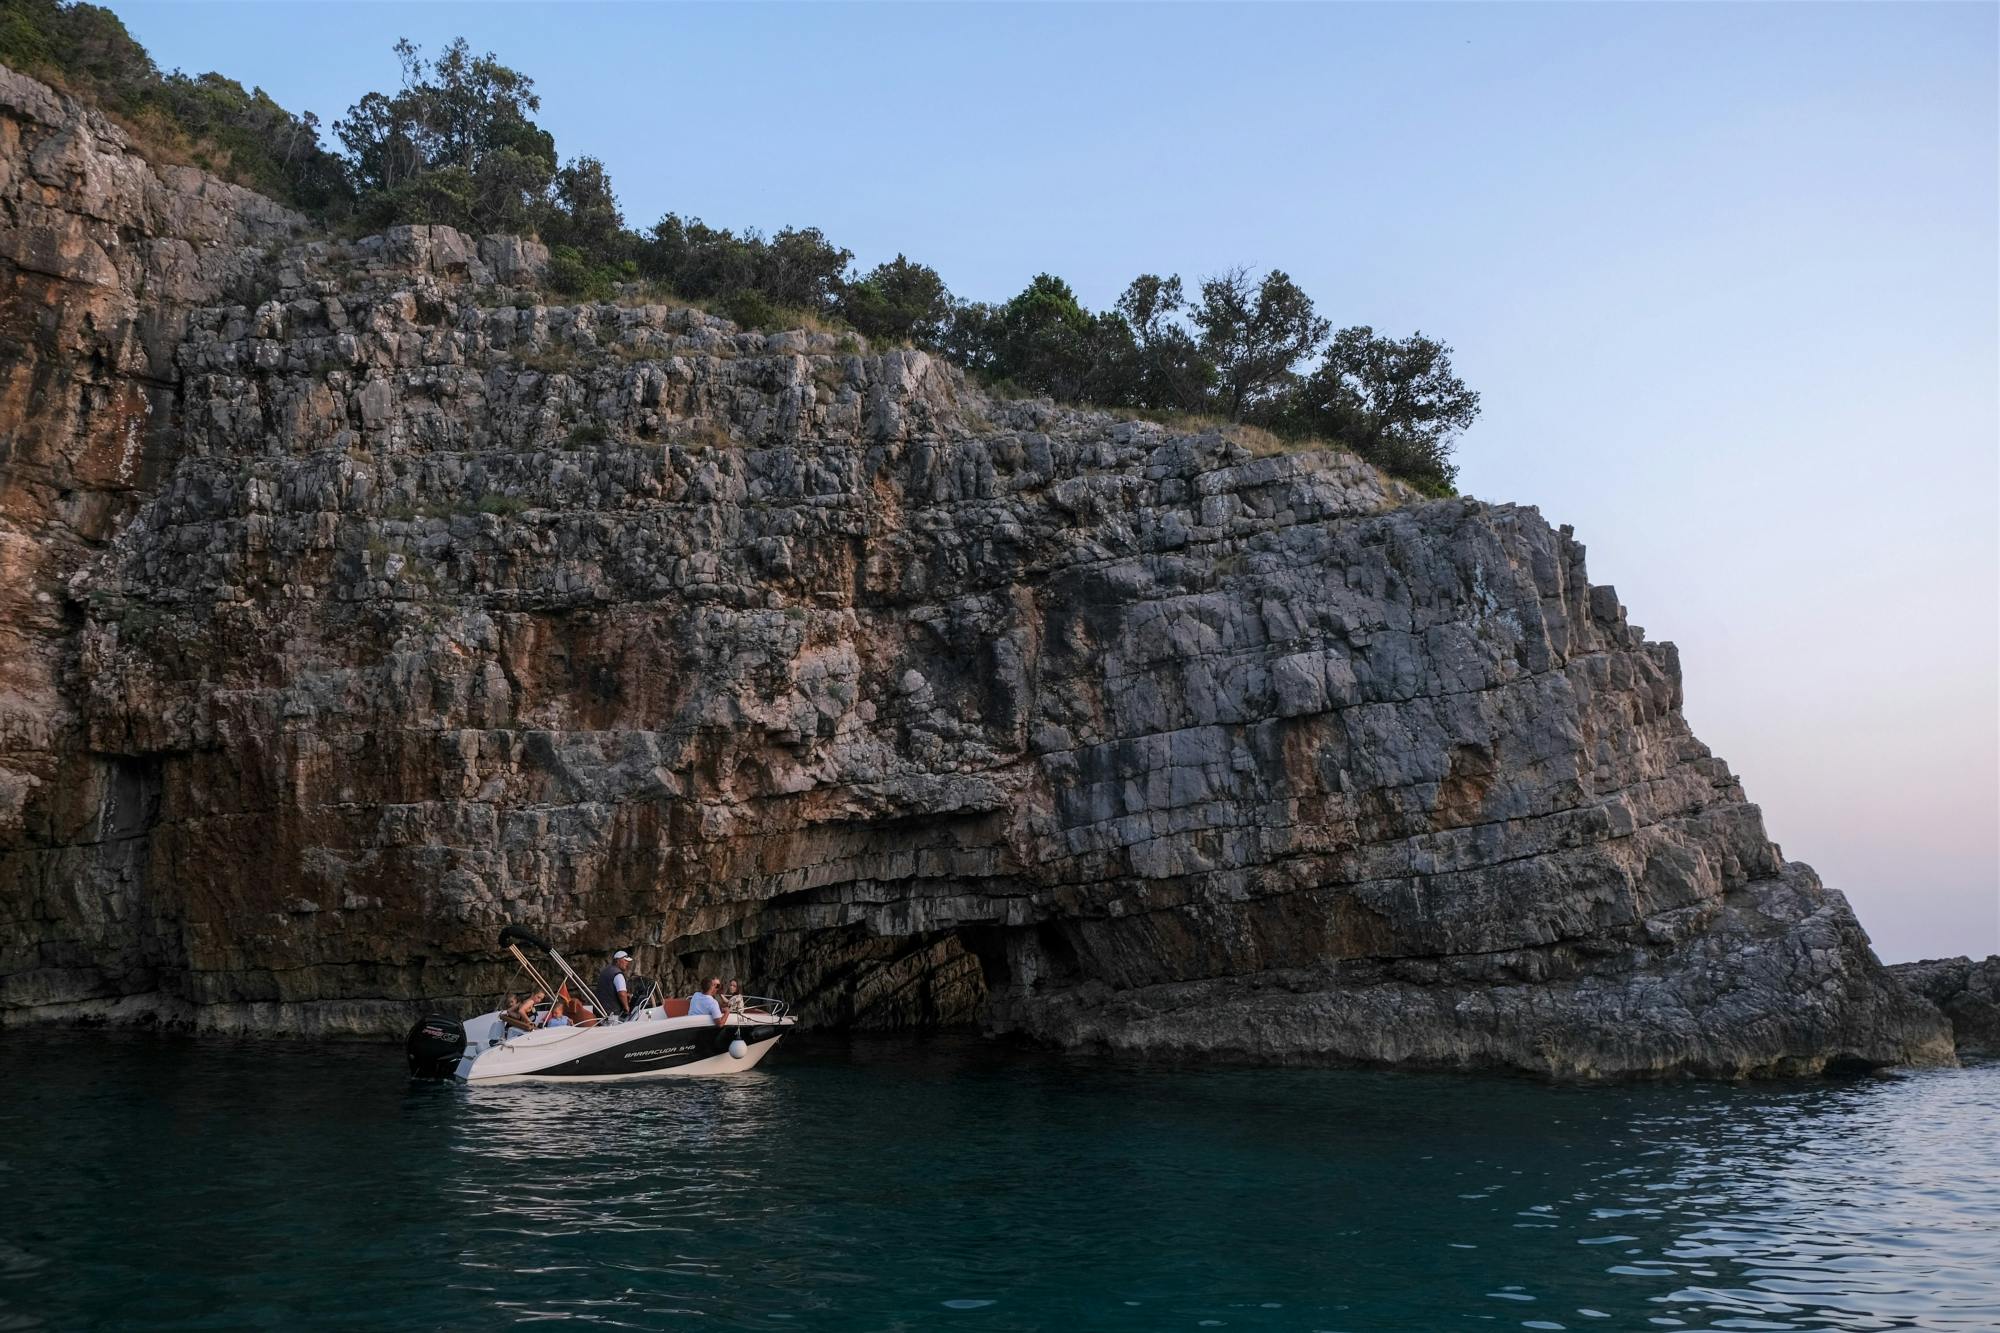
1235,356
796,269
1394,401
1044,341
574,273
898,301
206,120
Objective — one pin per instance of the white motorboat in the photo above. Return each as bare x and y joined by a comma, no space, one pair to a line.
657,1039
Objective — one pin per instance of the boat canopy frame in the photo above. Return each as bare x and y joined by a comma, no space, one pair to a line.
513,937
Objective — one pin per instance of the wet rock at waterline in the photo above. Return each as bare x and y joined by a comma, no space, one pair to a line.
358,600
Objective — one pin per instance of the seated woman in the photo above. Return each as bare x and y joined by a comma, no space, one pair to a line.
732,998
519,1015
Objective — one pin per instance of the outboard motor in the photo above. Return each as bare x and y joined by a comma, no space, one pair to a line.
434,1047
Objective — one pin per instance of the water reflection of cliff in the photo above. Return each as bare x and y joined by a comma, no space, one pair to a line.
1792,1206
922,1184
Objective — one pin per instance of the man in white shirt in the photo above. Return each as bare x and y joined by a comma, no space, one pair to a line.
704,1000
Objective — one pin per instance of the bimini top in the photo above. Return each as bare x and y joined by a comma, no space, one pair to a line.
516,934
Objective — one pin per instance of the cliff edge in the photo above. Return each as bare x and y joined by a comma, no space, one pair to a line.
357,601
1967,990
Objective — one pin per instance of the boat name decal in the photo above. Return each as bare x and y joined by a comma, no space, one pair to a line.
657,1055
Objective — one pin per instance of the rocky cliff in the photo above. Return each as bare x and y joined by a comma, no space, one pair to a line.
1968,991
357,601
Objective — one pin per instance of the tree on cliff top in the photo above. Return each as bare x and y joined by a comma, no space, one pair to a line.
455,145
1171,372
586,214
899,300
1045,338
798,269
1255,333
1045,341
1396,402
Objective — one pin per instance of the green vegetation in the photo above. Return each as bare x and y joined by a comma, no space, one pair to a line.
898,302
202,120
457,144
1242,354
1393,400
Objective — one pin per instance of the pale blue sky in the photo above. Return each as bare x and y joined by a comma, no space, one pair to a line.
1725,275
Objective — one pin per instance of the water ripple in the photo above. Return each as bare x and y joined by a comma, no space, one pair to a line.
199,1185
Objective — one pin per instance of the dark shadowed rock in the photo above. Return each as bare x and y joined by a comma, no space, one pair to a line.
357,602
1967,991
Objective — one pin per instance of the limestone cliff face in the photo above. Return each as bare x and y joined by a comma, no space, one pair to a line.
101,259
420,606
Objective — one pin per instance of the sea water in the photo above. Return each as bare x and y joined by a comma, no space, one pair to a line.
170,1183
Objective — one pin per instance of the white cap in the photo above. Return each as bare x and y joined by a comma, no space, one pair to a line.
620,954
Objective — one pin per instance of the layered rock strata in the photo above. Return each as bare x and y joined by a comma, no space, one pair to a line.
421,606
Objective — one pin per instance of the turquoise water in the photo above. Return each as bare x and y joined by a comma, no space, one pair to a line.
949,1184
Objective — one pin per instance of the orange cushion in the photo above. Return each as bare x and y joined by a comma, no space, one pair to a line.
677,1008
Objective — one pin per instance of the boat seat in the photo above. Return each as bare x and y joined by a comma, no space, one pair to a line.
676,1008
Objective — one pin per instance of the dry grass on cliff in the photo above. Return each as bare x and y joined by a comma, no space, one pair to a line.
1263,443
751,317
552,359
152,134
700,434
633,295
1260,442
807,321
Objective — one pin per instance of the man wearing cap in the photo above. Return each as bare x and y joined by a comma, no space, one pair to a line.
612,996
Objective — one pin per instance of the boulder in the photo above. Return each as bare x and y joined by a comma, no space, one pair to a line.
1967,990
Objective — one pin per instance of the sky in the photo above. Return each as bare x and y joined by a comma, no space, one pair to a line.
1724,275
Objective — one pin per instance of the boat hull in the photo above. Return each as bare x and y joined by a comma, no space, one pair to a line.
659,1048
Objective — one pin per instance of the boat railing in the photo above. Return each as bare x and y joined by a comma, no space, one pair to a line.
765,1005
762,1006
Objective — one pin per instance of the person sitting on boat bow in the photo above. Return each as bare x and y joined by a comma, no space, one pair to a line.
732,999
613,996
705,1001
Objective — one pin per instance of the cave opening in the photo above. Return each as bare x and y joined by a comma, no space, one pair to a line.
132,794
848,978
